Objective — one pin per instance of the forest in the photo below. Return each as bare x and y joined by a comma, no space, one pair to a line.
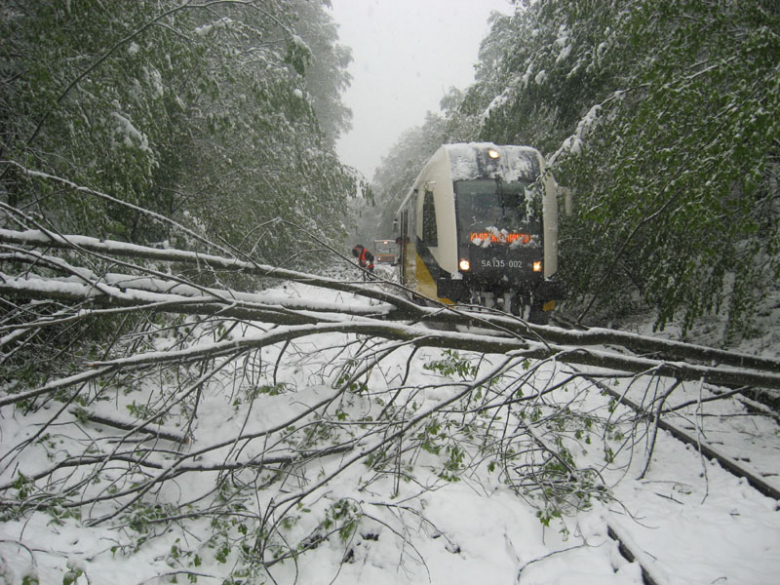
198,385
661,119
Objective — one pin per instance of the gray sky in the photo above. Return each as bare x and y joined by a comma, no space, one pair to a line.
407,54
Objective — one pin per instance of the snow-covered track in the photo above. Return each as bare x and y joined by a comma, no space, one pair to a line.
653,569
728,463
630,551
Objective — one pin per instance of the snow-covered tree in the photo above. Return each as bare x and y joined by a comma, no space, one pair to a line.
231,436
199,111
662,116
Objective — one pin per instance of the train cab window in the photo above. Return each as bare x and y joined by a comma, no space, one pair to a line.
430,233
485,205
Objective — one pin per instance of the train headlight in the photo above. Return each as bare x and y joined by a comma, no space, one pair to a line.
538,266
493,153
464,265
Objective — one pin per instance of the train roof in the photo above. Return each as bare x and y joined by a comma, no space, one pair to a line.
467,162
514,163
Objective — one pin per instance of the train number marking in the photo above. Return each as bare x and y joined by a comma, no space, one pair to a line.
500,263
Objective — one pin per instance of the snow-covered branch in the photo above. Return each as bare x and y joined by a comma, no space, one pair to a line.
173,296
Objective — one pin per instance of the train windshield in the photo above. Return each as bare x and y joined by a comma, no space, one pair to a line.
491,210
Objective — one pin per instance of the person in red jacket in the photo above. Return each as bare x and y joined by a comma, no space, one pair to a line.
365,258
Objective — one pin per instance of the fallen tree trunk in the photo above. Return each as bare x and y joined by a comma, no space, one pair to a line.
394,306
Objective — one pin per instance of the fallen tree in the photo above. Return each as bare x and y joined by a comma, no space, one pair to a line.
495,332
120,351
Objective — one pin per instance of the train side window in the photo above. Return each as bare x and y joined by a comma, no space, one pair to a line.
430,234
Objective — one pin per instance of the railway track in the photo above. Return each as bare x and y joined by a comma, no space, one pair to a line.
627,546
706,449
653,570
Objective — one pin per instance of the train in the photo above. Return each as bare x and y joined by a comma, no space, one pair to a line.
479,226
385,251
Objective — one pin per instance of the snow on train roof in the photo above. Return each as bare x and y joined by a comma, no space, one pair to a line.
515,162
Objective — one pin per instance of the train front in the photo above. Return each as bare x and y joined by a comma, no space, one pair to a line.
500,229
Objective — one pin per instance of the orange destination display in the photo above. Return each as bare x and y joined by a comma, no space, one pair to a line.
500,237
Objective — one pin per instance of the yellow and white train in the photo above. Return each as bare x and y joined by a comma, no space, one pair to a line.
480,225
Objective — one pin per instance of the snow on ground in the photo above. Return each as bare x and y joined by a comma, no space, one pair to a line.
693,522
